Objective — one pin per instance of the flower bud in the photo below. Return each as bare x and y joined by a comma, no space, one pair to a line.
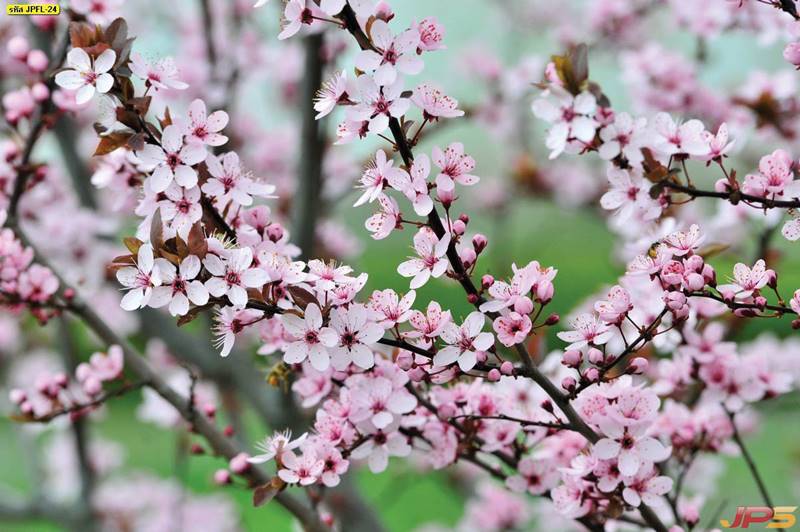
472,298
446,411
210,410
416,374
479,242
384,11
275,232
552,319
761,301
92,386
591,374
239,463
404,360
459,227
18,48
547,405
17,396
37,61
695,282
637,366
487,281
222,477
26,408
568,383
595,356
792,53
572,358
468,257
722,185
796,324
228,431
197,449
447,197
464,217
507,368
61,380
40,92
523,306
772,279
493,375
544,292
481,356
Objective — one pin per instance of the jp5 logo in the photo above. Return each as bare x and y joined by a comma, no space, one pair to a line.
778,517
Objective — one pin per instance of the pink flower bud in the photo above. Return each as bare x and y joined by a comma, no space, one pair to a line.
275,232
405,360
197,449
459,227
472,298
547,405
479,242
92,386
523,306
481,356
568,383
464,217
591,374
239,463
446,411
722,185
507,368
228,431
552,319
468,257
761,301
796,324
544,292
417,374
210,410
792,53
447,197
487,281
772,279
384,11
572,358
551,74
18,48
17,396
37,61
26,408
40,92
595,356
222,477
695,281
637,366
61,380
493,375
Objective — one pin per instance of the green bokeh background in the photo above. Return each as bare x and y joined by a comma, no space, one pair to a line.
573,240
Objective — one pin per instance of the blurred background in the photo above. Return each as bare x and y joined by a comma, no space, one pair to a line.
529,207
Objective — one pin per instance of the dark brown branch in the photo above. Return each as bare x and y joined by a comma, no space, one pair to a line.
733,197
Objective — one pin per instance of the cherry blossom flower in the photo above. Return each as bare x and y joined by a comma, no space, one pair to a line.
295,14
415,184
512,329
747,280
431,34
173,160
229,183
681,243
181,208
304,470
230,321
775,177
629,445
393,54
375,104
97,11
571,117
378,401
795,302
431,324
326,275
87,77
305,339
140,280
454,166
350,337
629,195
389,308
646,487
160,75
626,137
382,444
431,260
719,145
464,342
179,286
434,103
535,476
203,128
615,307
232,276
379,172
334,464
671,138
587,329
791,229
275,445
382,223
333,92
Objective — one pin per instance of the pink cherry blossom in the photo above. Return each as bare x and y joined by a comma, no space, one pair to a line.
229,183
791,229
625,136
454,167
389,308
415,185
382,223
615,307
571,118
747,280
159,75
646,487
464,342
431,260
305,339
376,176
233,275
139,279
303,470
394,54
203,128
434,103
86,76
431,34
587,329
173,160
181,208
512,329
630,446
535,477
671,138
334,91
275,445
376,103
179,286
350,337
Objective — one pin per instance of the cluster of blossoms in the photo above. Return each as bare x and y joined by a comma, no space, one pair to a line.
58,393
582,427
